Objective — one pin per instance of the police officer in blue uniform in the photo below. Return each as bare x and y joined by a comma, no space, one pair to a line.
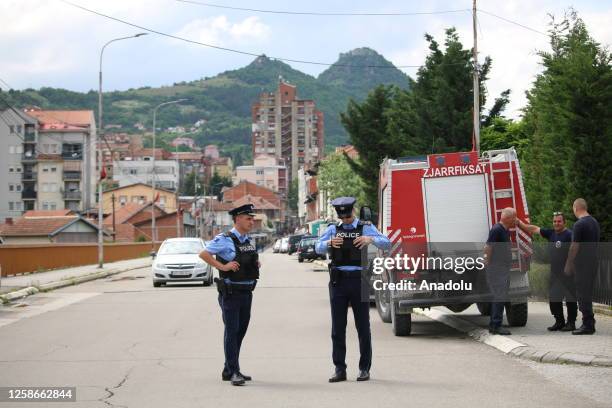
236,258
348,241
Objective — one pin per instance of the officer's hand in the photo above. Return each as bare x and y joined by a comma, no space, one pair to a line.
362,241
231,266
258,264
336,242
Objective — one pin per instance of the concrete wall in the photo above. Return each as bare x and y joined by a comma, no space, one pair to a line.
15,259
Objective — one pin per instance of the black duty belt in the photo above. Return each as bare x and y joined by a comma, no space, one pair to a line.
350,274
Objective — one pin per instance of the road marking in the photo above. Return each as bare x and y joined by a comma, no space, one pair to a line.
66,299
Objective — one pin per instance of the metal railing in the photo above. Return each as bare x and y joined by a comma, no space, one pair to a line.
72,175
72,195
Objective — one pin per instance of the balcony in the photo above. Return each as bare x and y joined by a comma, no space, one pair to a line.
28,176
28,156
28,194
72,175
29,137
72,195
72,155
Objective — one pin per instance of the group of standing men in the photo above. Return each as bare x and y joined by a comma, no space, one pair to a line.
573,267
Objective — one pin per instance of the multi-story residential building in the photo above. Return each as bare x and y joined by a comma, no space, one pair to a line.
265,172
211,151
183,141
288,128
63,161
50,162
18,134
140,194
188,162
126,172
119,146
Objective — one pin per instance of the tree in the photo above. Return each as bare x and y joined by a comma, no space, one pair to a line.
435,114
569,121
366,124
189,184
337,178
216,185
292,195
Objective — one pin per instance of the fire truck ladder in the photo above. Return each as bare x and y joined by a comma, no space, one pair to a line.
505,193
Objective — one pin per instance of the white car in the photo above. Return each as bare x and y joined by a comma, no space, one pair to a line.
284,246
177,261
276,247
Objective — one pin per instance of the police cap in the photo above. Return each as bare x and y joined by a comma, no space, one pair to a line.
243,209
344,205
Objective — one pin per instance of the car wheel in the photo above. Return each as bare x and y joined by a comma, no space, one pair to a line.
157,284
402,323
516,314
381,297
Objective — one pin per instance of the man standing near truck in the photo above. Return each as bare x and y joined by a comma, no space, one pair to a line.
561,286
498,260
582,263
347,240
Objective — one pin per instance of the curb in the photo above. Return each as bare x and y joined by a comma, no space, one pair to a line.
31,290
512,347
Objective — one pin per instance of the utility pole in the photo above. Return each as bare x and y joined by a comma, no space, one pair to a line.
178,206
114,227
99,147
476,83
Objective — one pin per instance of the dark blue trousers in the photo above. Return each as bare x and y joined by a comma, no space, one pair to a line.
345,292
236,312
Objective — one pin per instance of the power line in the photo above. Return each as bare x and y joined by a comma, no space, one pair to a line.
513,22
252,54
316,13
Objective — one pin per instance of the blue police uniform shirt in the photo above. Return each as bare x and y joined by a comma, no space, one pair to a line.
369,230
223,246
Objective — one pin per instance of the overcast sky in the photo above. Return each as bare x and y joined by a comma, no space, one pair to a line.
49,43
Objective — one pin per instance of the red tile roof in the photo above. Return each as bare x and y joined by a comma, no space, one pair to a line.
47,213
247,188
35,226
259,203
62,119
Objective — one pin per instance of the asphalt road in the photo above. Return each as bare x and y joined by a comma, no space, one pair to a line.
121,342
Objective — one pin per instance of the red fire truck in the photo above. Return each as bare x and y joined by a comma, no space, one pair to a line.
448,202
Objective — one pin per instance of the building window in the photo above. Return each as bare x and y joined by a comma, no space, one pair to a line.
11,206
259,172
53,169
18,187
19,128
123,200
45,169
18,169
45,206
19,149
52,206
12,128
11,169
11,149
11,187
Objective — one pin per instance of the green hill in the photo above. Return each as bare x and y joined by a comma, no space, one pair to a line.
224,101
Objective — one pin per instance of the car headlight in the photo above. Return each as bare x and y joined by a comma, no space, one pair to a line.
159,266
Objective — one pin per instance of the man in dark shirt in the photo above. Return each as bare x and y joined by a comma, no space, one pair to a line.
561,286
582,263
498,260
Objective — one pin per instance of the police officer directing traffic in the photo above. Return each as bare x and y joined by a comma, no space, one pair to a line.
348,241
238,264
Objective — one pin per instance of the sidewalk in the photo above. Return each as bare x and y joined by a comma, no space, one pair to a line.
15,287
533,341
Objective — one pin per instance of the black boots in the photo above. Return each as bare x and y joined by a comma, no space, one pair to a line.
338,376
584,330
559,325
364,375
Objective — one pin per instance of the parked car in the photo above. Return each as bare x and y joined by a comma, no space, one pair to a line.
306,249
293,243
177,261
284,246
276,247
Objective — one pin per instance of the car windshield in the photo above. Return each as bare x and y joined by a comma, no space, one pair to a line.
307,242
181,247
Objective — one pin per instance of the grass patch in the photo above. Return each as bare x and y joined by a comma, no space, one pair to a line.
539,277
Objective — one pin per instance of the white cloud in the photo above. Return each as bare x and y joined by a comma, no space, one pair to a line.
219,30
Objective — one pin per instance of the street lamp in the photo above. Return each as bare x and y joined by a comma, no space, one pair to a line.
153,231
100,135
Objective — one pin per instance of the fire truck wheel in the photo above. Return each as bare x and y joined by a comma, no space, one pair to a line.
484,308
381,297
516,314
402,324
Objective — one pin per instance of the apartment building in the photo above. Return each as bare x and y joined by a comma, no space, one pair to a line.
127,172
48,161
265,171
289,128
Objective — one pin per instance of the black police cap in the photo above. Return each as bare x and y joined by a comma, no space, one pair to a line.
344,205
243,209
